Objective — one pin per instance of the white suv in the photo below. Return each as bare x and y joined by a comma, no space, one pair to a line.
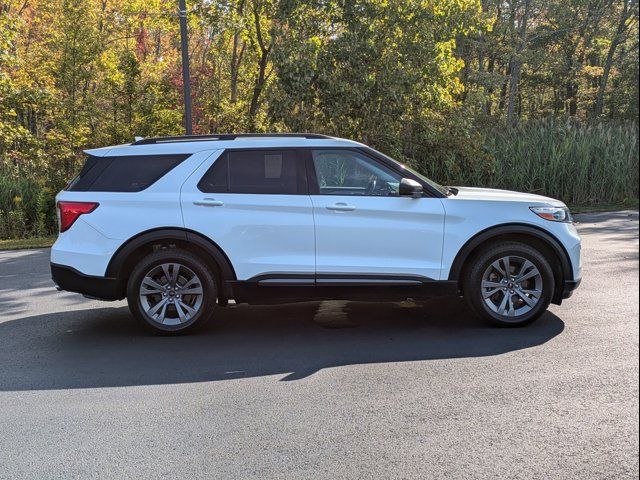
181,225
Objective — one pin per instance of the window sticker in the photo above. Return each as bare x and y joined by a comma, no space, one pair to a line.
273,166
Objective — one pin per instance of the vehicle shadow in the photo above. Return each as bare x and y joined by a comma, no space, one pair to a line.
105,348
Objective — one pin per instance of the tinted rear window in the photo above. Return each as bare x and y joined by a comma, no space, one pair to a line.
123,174
256,171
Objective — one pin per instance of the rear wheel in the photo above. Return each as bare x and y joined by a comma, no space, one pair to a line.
172,291
509,284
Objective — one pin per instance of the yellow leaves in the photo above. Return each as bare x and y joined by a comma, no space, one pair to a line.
457,86
110,63
448,64
315,41
592,71
109,60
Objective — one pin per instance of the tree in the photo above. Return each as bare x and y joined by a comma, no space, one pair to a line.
516,63
628,15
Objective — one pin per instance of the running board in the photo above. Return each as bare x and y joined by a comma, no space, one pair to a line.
287,288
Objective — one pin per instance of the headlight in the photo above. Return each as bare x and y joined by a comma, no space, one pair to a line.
555,214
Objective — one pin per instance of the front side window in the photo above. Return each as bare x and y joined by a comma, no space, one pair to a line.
347,172
253,171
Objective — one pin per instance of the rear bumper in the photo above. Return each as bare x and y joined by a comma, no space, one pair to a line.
71,280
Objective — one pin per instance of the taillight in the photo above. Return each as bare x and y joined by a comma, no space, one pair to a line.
70,211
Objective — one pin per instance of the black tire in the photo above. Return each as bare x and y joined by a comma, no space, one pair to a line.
472,284
196,265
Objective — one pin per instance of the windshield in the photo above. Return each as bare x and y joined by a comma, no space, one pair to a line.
428,181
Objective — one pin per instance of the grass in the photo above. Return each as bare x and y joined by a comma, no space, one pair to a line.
22,243
606,207
580,163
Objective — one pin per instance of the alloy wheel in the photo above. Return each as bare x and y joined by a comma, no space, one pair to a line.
171,294
511,286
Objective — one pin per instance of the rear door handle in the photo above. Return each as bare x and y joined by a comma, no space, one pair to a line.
341,207
209,202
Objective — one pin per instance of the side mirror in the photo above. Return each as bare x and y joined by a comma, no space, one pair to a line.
410,188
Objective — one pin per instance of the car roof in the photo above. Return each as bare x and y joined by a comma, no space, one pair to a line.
194,143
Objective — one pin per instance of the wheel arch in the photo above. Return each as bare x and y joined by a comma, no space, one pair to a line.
535,236
130,252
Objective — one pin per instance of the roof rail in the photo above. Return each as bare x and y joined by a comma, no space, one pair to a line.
224,136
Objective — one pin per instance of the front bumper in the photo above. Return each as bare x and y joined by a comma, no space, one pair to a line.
102,288
570,287
565,291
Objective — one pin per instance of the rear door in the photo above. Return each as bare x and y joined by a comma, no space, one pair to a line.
255,204
364,229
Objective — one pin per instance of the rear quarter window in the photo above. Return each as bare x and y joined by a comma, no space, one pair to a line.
132,173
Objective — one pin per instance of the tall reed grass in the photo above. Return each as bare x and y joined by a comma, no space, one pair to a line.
584,164
27,208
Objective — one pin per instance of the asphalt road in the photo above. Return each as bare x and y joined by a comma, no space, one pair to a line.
330,391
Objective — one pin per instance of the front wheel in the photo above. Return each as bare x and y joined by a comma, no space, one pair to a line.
510,284
171,291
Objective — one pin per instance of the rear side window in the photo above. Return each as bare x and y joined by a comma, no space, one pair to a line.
275,172
123,174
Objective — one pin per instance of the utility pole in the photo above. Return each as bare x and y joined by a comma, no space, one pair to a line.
186,79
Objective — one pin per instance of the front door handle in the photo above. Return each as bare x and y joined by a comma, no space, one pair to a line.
209,202
341,207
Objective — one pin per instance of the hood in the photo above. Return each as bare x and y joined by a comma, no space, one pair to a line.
490,194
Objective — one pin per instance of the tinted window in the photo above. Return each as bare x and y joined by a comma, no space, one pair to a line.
346,172
216,180
254,171
123,174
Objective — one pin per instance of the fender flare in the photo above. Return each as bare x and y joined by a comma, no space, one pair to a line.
509,229
121,255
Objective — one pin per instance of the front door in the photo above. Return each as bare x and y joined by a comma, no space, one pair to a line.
364,229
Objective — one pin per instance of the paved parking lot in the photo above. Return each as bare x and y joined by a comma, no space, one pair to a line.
332,390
